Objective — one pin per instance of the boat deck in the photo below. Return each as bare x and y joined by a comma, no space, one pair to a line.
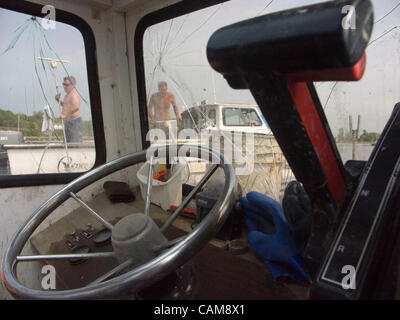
215,272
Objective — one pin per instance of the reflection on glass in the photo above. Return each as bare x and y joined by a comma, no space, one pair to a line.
358,111
45,118
160,113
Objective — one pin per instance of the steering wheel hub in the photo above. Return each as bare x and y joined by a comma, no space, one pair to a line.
134,237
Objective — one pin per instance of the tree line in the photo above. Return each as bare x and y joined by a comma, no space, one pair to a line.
31,125
364,137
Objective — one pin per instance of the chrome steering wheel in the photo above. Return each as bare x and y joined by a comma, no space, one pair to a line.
161,256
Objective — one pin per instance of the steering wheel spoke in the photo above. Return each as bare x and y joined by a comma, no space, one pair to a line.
112,272
149,187
91,211
95,255
168,244
189,197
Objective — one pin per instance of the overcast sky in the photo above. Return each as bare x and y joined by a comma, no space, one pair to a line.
20,90
182,43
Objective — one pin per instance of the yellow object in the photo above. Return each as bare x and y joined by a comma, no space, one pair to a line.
163,163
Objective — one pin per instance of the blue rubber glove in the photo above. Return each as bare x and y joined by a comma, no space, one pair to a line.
270,237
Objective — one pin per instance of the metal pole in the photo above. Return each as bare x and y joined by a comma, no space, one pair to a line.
95,255
91,211
213,82
353,142
355,137
59,105
149,186
53,64
189,197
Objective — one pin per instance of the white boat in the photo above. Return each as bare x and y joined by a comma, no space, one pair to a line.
241,133
226,117
21,157
50,158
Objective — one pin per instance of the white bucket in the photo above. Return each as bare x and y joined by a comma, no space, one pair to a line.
168,193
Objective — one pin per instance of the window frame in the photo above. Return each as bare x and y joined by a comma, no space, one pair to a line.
173,11
239,125
7,181
214,119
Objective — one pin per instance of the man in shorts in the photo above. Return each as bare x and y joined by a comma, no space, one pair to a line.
159,109
70,111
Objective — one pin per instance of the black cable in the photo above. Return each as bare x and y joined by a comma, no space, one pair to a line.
265,8
58,57
329,97
381,36
398,5
184,40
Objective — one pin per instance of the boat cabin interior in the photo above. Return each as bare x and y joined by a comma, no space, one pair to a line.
199,150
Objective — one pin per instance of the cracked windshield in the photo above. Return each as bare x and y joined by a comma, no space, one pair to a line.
188,101
45,117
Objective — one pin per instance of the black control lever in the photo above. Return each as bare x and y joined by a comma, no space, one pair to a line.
277,56
314,43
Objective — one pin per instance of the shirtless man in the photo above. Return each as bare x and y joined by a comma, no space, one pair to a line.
70,111
161,101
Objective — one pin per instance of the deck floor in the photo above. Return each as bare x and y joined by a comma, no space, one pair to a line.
216,273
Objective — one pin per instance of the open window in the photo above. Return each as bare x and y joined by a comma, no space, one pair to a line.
50,114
